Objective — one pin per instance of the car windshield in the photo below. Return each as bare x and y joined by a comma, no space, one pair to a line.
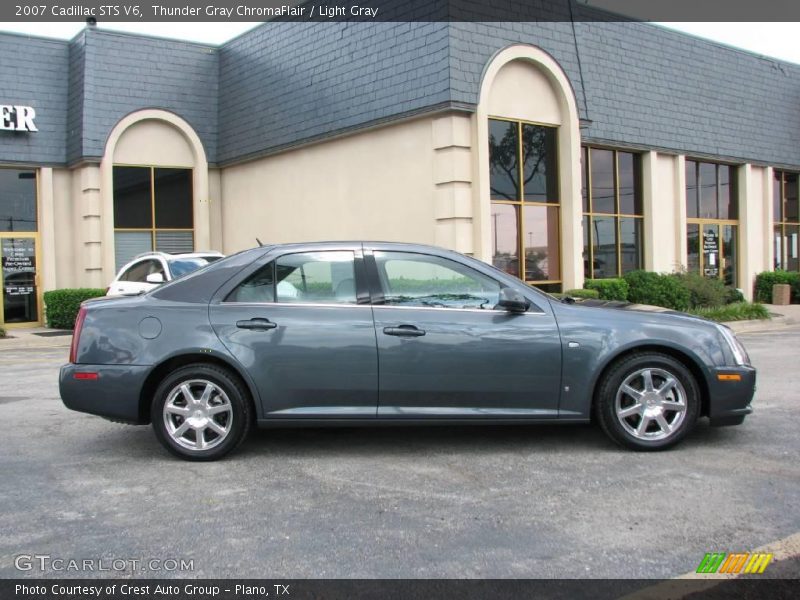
182,266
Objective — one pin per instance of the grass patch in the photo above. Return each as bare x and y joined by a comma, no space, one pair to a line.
739,311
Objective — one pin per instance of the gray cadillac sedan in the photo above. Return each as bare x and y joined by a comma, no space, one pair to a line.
385,333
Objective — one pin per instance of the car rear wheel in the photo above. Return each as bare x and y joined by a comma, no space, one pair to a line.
648,401
201,412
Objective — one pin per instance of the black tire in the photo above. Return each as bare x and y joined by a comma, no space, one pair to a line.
228,395
643,429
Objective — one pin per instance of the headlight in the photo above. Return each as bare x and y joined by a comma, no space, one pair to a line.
738,351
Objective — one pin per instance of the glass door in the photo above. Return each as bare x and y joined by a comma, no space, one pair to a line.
18,269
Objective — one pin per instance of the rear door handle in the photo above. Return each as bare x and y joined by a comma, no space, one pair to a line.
404,331
256,324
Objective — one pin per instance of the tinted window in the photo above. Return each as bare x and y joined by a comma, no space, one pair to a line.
503,159
182,266
173,198
259,287
133,208
420,280
17,200
141,270
316,277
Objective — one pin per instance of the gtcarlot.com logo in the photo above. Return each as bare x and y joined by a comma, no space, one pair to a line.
737,562
46,562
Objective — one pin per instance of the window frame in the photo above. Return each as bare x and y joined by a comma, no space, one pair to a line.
587,202
153,230
521,203
780,225
362,293
702,222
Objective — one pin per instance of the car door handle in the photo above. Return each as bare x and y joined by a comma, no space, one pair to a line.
256,324
404,331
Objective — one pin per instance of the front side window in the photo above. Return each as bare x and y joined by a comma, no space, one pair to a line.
712,220
787,221
152,211
410,279
523,182
612,213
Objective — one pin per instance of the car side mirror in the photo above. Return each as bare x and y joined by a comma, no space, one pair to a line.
512,301
155,278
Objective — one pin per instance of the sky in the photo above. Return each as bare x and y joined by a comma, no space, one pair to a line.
778,40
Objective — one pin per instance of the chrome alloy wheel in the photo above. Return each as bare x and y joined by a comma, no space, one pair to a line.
198,414
651,404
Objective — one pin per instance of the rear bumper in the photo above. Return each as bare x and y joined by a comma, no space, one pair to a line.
114,394
730,397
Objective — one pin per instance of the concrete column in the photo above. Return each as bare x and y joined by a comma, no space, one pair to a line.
215,210
47,230
452,178
96,233
769,221
680,211
654,212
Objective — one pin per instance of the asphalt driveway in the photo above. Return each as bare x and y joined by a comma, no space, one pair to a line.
422,502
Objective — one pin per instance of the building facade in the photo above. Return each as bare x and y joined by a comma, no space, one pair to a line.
557,151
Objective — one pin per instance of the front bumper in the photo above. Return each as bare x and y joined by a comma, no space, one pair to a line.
731,391
115,394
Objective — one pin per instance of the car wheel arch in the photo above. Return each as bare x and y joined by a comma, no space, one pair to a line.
692,363
162,369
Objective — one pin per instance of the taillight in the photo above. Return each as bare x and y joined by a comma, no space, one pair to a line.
76,335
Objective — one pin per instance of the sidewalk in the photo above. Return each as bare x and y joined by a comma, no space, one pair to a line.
784,316
30,338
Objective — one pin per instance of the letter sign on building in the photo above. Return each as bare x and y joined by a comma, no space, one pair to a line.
17,118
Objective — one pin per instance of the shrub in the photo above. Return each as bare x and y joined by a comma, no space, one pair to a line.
765,281
61,306
2,332
703,291
740,311
646,287
733,295
583,294
609,289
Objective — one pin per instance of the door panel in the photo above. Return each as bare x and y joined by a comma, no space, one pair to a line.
444,351
312,352
468,363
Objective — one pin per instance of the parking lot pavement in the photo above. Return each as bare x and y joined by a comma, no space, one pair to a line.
423,502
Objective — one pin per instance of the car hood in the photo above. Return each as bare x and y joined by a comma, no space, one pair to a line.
639,308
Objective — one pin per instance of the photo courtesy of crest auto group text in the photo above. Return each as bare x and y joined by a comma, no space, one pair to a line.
384,300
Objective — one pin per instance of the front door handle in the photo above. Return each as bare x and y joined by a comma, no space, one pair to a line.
404,331
256,324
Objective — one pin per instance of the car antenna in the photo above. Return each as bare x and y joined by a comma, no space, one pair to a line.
259,242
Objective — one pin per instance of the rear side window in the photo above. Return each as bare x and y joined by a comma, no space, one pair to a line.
316,277
304,278
259,287
139,272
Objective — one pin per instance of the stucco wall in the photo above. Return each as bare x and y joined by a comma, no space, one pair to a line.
373,185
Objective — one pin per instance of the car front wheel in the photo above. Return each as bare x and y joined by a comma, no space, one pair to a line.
201,412
648,401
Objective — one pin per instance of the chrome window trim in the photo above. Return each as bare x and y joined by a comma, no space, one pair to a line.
334,305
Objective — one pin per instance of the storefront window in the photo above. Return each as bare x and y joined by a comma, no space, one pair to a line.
787,221
525,202
712,220
152,211
613,213
18,247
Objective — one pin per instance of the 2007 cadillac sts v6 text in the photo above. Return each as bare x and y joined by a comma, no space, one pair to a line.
378,333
